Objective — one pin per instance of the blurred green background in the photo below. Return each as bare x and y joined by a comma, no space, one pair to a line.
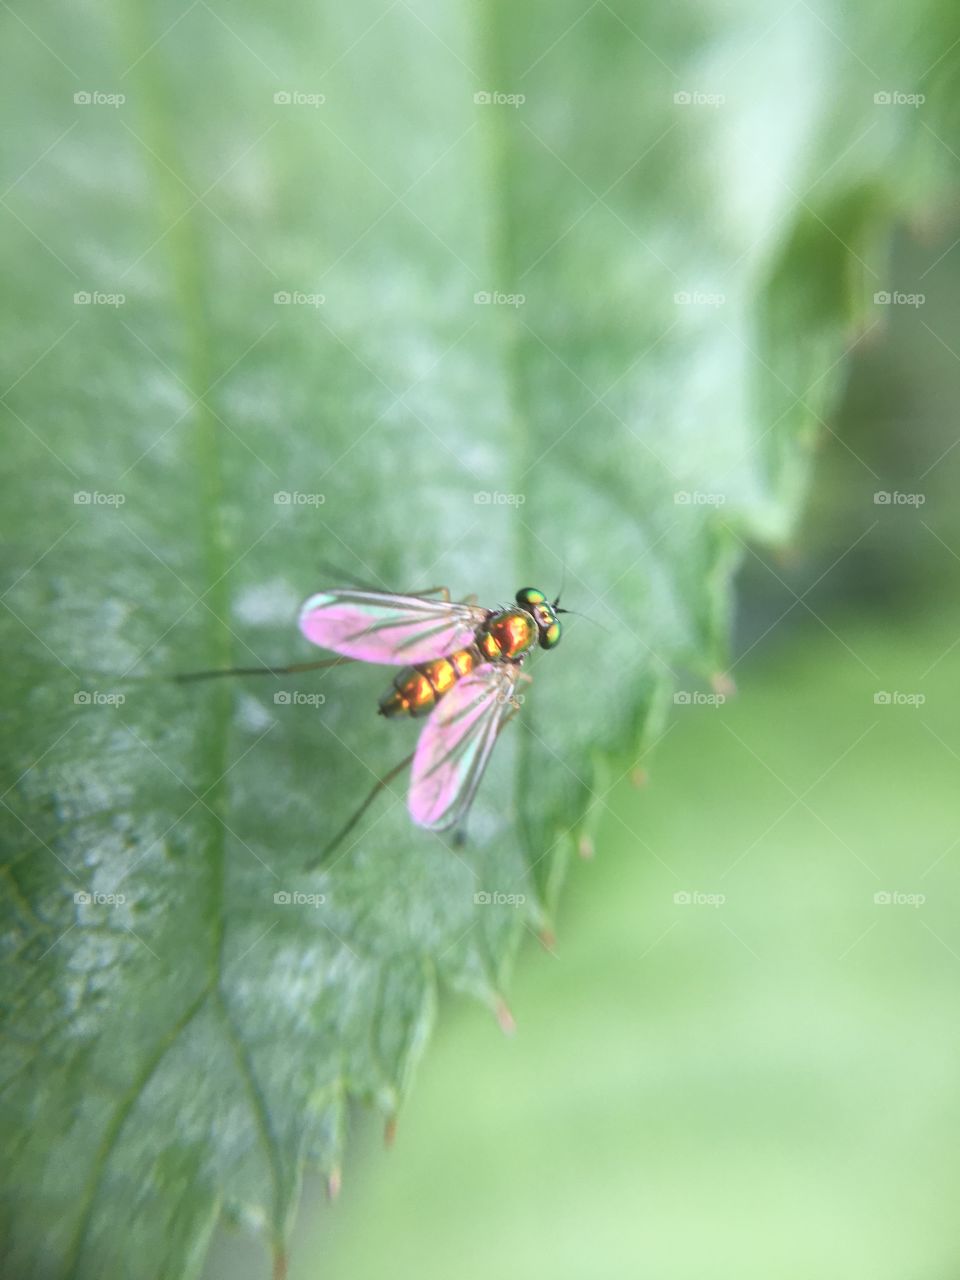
764,1085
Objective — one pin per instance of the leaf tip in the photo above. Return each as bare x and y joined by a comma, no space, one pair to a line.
506,1020
723,683
390,1131
279,1263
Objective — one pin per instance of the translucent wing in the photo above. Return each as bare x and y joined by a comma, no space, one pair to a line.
455,745
376,627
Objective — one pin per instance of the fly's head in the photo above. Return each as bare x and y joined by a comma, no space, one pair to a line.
544,614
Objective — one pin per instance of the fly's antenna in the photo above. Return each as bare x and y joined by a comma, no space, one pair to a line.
584,615
563,583
573,612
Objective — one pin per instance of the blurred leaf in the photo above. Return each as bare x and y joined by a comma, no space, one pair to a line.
551,333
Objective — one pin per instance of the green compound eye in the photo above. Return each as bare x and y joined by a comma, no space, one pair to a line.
550,636
530,595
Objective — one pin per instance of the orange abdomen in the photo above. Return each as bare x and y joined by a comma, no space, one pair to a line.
416,690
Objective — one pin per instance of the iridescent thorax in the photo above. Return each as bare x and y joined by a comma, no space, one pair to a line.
507,635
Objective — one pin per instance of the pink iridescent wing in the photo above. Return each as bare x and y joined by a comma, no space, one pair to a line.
374,626
455,745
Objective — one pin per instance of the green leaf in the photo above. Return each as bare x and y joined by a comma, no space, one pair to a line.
180,1042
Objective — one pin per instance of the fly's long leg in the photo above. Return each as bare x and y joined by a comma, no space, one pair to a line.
186,677
337,574
442,592
296,667
352,822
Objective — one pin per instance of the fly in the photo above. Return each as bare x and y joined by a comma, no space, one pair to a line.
459,665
